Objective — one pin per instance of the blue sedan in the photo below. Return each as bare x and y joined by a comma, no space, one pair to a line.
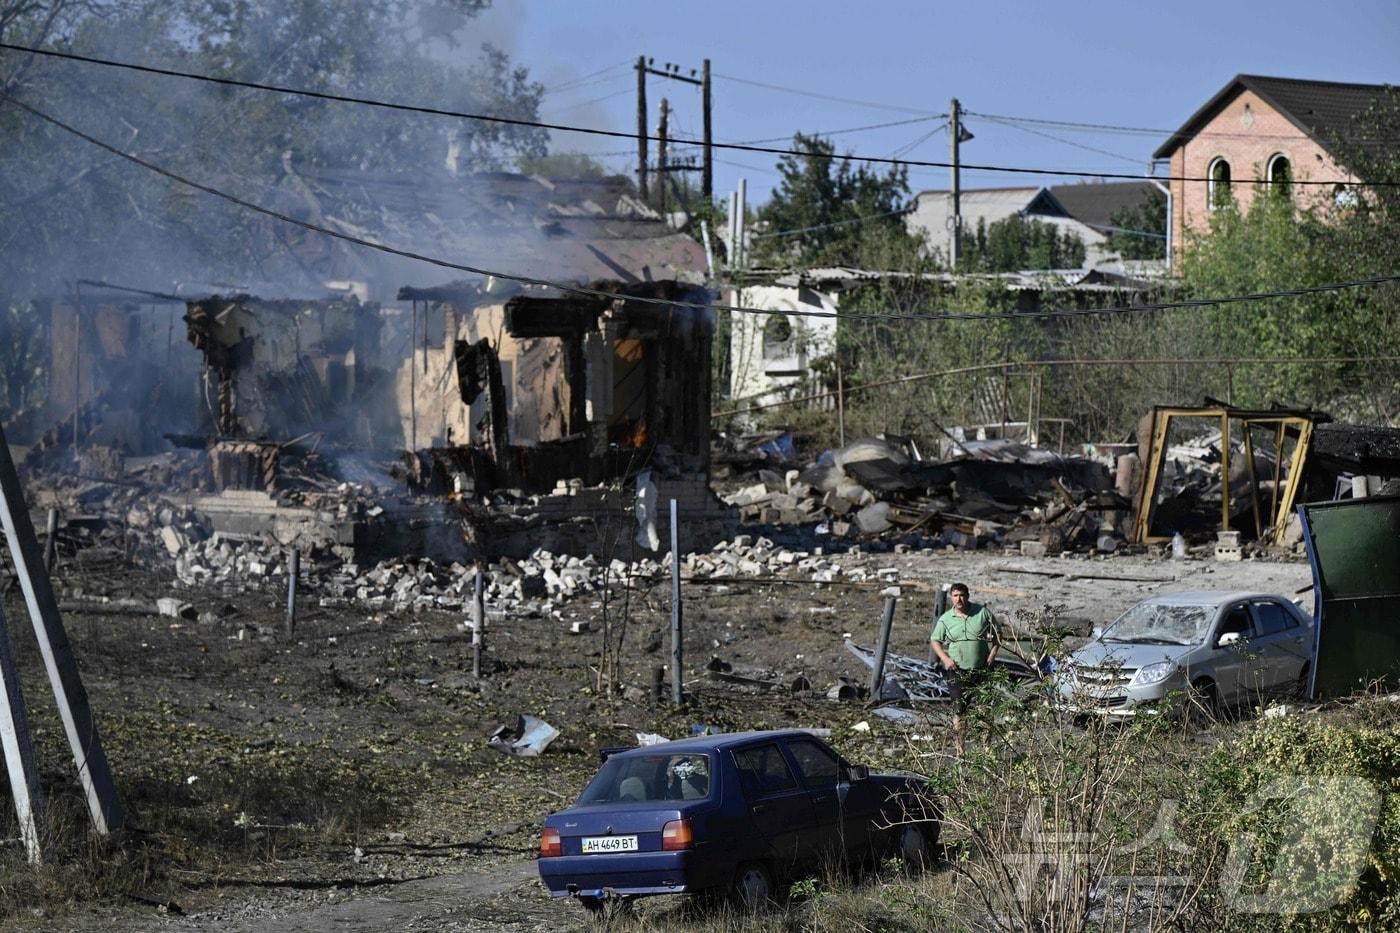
736,813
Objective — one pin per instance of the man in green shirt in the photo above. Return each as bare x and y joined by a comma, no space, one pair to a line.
965,639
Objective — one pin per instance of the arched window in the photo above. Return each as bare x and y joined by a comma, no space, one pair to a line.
778,338
1218,187
1280,175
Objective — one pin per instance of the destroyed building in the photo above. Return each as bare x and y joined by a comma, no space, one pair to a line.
489,386
118,373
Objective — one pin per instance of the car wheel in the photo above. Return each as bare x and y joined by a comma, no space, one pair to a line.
1303,675
915,848
752,890
1203,705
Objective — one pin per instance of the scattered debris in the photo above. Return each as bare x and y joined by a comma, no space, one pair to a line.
994,492
530,737
924,681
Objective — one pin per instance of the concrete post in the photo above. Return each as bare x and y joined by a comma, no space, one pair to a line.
877,675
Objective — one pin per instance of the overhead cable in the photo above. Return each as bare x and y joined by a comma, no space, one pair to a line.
835,223
618,134
1147,131
667,302
819,96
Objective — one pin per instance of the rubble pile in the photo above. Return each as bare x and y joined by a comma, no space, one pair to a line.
994,492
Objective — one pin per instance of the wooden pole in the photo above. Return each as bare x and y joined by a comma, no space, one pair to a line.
77,364
67,683
707,174
478,617
19,749
940,606
955,182
642,127
677,641
50,540
293,572
662,129
877,675
840,401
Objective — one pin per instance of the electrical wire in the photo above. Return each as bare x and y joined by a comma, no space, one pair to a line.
828,226
1147,131
1059,139
674,303
819,96
618,134
911,146
590,78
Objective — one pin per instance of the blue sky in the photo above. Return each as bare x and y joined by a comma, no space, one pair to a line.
1121,63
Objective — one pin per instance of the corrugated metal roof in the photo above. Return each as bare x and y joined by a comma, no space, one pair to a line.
568,230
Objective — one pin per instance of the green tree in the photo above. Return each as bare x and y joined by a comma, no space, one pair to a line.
1141,230
563,165
827,208
1016,244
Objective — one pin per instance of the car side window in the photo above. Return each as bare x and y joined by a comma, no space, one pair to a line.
1271,618
816,765
1236,620
762,771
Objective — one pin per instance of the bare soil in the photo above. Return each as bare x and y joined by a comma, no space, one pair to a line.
340,779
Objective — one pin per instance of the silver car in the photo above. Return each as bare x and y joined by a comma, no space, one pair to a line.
1211,649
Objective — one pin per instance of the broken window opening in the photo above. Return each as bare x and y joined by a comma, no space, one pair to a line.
633,391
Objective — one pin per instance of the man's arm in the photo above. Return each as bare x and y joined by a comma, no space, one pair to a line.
943,658
994,636
936,640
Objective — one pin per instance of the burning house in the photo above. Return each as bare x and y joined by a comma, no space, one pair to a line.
490,387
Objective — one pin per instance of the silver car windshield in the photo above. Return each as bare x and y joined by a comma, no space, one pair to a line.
1155,623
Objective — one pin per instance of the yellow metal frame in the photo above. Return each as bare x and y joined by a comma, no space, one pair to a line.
1281,507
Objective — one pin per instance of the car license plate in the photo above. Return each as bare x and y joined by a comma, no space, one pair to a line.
596,844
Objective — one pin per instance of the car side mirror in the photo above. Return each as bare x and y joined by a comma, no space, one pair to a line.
1228,639
859,772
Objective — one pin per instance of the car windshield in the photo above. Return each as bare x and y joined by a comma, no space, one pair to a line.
643,778
1158,623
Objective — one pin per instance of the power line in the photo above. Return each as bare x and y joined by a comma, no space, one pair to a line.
1148,131
819,96
618,134
589,78
851,129
1068,142
834,223
673,303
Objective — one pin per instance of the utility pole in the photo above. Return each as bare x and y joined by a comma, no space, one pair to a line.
954,138
707,175
673,72
642,127
662,130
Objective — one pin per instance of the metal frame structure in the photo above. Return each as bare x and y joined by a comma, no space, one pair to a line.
1284,422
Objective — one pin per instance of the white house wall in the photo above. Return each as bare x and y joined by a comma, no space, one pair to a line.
756,375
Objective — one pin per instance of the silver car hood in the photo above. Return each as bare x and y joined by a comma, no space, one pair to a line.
1127,654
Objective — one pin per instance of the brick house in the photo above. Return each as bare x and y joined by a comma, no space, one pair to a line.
1259,131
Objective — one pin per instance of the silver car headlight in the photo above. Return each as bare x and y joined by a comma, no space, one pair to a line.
1153,674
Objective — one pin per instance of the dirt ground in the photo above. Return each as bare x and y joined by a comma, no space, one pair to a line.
341,780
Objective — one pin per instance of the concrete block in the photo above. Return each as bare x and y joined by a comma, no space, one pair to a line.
874,518
1032,549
